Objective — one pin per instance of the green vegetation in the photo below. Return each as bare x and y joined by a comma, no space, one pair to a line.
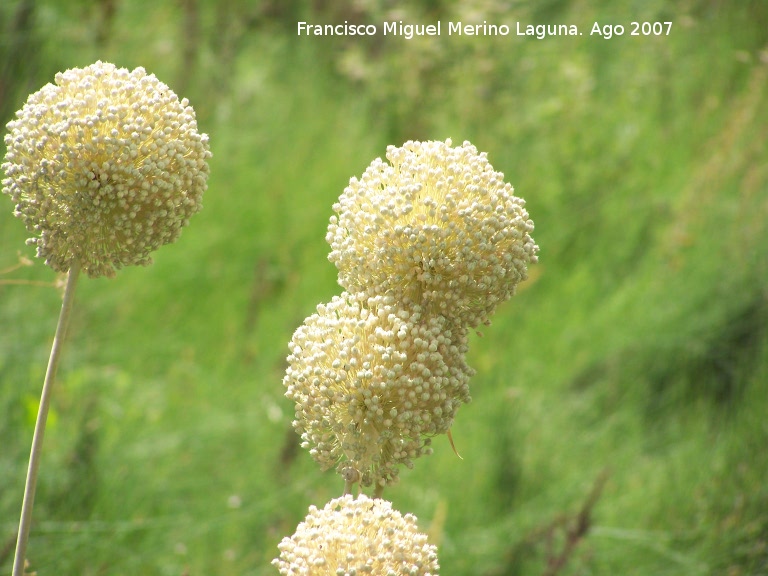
618,422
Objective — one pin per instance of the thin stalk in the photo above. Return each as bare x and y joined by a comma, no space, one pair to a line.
351,477
42,417
348,487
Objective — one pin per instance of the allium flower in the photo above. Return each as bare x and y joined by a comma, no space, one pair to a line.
372,384
352,537
436,226
105,166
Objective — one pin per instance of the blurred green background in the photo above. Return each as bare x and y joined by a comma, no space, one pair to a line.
619,417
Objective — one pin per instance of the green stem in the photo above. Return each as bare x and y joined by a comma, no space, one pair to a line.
42,417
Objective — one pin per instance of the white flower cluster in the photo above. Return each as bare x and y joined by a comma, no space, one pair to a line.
426,248
372,383
437,226
105,166
353,537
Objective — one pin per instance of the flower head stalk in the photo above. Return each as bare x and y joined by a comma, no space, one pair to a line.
104,166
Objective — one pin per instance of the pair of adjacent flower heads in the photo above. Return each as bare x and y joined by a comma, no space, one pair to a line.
426,245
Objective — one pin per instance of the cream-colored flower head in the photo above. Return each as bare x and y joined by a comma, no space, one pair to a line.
436,226
372,384
105,166
353,537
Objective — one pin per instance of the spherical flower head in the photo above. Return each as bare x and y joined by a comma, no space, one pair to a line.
353,537
436,226
373,383
105,166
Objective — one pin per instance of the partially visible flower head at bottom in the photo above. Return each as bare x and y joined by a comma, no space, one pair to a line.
373,383
353,537
105,166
